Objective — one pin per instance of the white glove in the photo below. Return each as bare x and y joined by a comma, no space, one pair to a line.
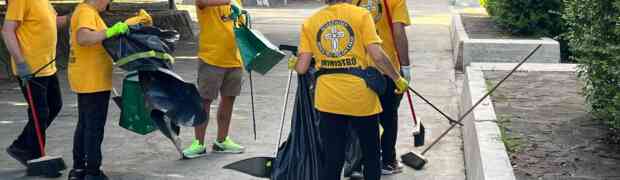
406,70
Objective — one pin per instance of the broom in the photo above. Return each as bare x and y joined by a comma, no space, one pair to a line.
48,166
417,161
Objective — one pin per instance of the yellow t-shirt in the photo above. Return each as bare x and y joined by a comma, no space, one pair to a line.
90,67
399,13
217,39
36,33
337,37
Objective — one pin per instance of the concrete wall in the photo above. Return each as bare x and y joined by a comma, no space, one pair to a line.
485,154
467,50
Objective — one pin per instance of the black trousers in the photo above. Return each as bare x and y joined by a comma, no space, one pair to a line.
47,100
333,134
93,112
390,101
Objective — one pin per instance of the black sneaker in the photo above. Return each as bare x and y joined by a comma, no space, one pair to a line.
391,168
95,175
77,174
21,155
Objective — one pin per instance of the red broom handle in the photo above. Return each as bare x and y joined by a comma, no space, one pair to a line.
415,119
35,117
389,17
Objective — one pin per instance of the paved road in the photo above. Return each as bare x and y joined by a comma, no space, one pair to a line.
129,156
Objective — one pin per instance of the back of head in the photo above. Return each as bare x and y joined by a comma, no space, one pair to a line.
330,2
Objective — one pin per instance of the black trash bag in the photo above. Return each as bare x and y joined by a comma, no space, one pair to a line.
300,157
353,154
178,100
142,46
168,129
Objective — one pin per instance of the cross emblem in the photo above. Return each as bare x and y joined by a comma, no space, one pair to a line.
369,5
335,36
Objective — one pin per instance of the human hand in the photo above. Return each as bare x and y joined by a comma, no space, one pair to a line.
118,29
292,62
402,85
23,71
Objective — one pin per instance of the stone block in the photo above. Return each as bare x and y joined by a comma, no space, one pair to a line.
467,50
485,154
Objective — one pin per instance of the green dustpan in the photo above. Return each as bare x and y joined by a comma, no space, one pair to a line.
257,52
134,115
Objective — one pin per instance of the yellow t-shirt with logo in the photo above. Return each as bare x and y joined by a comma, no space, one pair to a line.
217,39
399,13
90,67
36,33
337,37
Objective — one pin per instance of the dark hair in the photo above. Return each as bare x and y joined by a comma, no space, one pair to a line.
334,1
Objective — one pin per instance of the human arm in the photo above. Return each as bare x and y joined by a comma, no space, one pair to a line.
303,63
382,61
10,40
402,43
86,36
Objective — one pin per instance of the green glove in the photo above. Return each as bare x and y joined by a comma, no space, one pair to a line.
118,29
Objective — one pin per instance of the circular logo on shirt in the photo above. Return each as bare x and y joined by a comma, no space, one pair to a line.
335,38
374,6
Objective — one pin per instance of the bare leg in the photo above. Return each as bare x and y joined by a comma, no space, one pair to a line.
224,114
201,130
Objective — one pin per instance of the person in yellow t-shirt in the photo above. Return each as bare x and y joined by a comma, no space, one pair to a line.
219,72
342,37
90,76
396,45
29,32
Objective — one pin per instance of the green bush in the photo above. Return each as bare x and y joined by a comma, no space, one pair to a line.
593,31
527,17
483,3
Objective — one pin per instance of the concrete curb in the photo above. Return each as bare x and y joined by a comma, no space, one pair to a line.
467,50
486,157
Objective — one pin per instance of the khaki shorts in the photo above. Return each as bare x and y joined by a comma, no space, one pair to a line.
213,80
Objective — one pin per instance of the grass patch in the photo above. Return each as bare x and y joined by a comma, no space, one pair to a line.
513,144
497,96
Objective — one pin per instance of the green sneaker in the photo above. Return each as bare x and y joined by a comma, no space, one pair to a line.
228,146
195,150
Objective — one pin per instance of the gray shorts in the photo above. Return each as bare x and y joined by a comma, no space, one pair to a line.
214,80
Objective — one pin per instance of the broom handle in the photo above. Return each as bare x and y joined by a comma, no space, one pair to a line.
462,117
252,105
435,107
288,87
415,119
35,117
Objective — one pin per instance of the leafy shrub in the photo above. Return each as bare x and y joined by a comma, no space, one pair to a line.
593,31
483,3
527,17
